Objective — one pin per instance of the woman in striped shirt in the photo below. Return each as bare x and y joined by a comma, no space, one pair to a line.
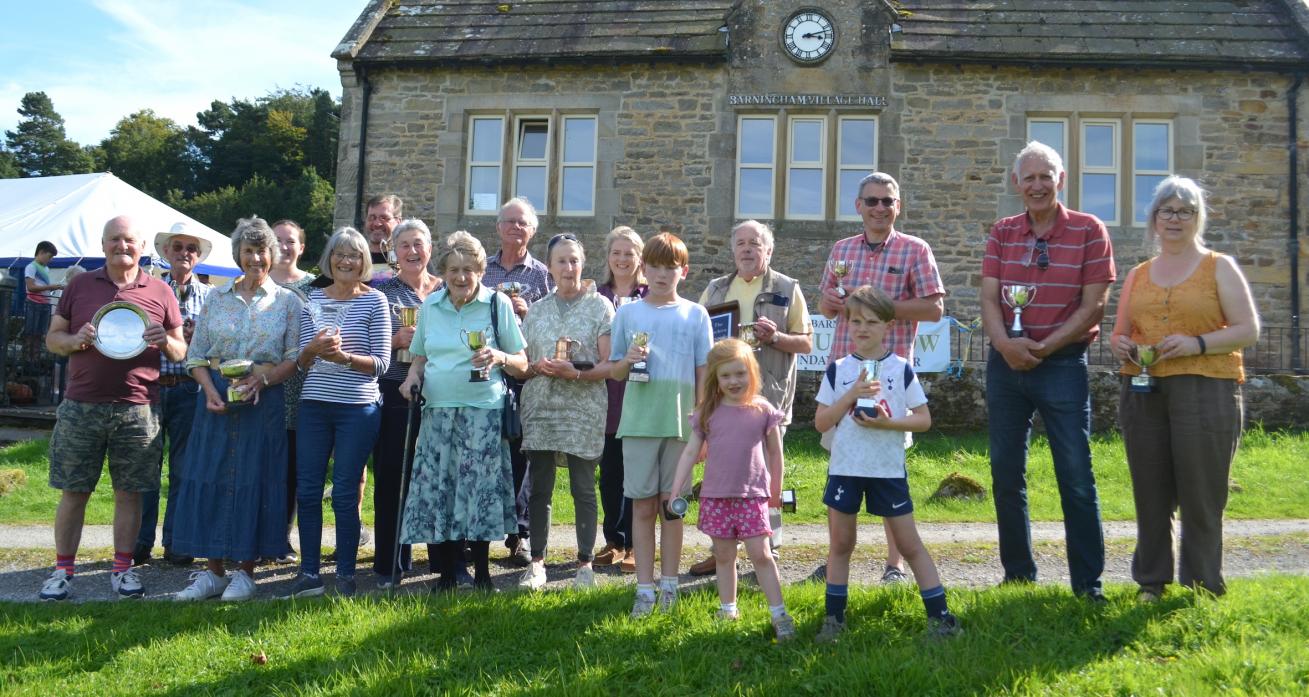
345,345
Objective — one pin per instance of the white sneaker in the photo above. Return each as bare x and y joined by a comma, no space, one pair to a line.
204,585
534,577
585,577
242,586
125,584
643,606
667,598
57,586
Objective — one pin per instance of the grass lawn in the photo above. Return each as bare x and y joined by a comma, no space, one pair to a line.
1017,641
1269,468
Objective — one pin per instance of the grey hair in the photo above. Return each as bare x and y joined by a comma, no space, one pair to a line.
1037,149
1185,190
257,233
764,231
350,240
528,209
880,178
623,232
409,224
461,244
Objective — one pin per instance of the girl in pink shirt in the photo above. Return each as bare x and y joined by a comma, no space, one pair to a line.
742,477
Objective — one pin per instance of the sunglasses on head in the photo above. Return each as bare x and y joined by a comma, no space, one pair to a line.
560,238
872,201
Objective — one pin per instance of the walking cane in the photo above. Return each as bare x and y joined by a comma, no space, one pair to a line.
406,468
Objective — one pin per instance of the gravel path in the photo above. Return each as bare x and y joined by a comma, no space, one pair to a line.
965,554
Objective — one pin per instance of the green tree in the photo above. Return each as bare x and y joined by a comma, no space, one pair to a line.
149,152
308,200
8,164
40,144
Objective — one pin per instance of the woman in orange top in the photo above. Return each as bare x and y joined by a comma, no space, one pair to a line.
1181,429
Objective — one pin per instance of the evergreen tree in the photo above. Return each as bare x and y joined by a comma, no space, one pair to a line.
40,145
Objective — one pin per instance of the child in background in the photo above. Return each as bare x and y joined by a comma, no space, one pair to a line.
742,476
872,418
672,341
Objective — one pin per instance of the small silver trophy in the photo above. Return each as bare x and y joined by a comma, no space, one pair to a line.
1144,356
475,341
840,268
868,405
640,371
408,317
1018,297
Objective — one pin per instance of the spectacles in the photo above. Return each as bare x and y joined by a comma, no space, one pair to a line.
380,218
340,256
872,201
1042,254
1178,213
559,238
189,249
516,223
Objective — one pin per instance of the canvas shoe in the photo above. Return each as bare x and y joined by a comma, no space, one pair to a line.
830,631
242,587
204,585
57,586
667,598
346,586
533,579
643,606
726,615
943,627
784,627
891,575
585,578
609,554
304,587
125,584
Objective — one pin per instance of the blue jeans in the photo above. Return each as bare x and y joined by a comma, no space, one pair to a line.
346,434
177,406
1058,389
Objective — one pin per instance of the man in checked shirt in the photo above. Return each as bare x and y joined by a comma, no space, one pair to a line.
900,265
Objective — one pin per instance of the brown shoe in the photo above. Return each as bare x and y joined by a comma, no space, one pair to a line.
609,555
627,564
705,568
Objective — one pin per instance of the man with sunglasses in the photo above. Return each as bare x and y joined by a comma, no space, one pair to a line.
900,265
177,389
1067,257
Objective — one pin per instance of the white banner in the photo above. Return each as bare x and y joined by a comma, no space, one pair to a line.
931,345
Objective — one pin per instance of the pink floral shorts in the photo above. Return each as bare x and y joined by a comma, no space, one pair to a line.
734,519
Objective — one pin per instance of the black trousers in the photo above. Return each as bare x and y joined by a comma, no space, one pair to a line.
617,508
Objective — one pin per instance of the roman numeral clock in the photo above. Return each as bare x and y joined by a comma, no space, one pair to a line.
808,36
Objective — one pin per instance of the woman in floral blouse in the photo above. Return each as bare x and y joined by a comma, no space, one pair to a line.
564,401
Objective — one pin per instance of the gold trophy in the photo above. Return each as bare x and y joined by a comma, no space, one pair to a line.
475,341
748,336
640,371
840,268
566,349
408,317
234,370
1018,297
1144,356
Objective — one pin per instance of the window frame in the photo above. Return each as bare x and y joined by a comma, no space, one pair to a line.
521,120
793,165
1170,164
771,166
1115,169
470,164
839,168
1065,126
564,165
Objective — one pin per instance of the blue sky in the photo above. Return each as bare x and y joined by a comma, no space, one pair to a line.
100,60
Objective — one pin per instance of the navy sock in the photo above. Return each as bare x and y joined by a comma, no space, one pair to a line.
836,599
934,601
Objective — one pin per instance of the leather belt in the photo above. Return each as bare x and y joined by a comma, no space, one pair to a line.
174,380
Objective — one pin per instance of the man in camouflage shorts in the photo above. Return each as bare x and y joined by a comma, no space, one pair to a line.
111,406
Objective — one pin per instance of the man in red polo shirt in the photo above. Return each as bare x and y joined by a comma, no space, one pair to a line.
1067,257
111,405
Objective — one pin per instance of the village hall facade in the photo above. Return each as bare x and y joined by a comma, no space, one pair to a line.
691,115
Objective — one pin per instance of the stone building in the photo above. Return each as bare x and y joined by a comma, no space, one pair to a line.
688,115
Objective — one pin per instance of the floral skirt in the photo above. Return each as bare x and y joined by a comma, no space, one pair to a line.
461,487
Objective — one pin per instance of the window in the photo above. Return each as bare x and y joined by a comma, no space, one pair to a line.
825,158
1098,190
1052,132
1152,161
541,170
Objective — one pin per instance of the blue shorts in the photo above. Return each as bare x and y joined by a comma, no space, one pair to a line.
886,497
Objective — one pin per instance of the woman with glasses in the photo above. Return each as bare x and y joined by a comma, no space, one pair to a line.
564,401
345,346
1185,314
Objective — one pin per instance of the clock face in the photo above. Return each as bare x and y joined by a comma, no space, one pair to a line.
808,36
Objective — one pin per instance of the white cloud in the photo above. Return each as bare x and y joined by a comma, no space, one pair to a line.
177,57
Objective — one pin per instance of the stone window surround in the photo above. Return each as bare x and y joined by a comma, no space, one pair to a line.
782,163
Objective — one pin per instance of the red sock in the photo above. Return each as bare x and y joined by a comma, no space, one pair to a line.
122,561
66,563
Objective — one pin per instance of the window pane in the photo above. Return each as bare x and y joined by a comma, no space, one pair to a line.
806,192
483,188
1050,133
1099,194
1145,184
806,141
756,196
486,140
1150,146
1099,146
756,141
578,189
531,144
530,184
579,140
847,190
857,143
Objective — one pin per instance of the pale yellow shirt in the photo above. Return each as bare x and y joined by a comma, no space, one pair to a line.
744,293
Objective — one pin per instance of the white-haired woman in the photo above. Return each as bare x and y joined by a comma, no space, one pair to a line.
231,502
1192,307
564,402
461,488
413,282
345,346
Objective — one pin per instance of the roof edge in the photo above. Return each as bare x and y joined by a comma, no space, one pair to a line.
362,29
942,58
